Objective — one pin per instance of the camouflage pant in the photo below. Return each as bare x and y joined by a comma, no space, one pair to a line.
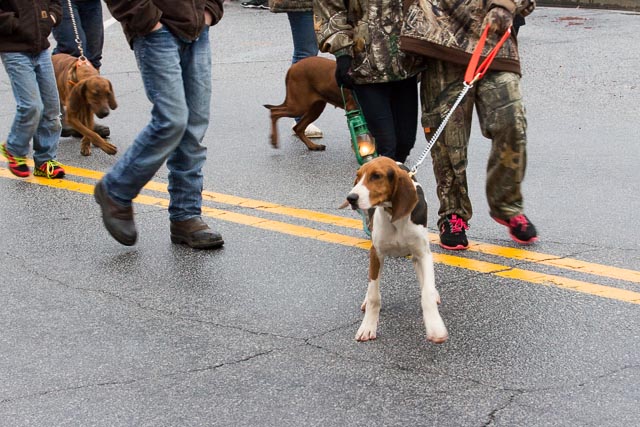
502,119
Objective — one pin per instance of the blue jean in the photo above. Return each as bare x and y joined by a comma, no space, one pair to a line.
37,105
304,37
391,111
177,79
88,16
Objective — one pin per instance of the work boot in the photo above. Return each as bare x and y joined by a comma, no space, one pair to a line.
118,219
195,233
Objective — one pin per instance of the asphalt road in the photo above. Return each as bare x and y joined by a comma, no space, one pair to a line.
261,333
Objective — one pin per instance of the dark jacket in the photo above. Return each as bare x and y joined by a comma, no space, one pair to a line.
25,25
184,18
369,31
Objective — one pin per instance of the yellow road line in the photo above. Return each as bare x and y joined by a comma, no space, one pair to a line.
485,248
306,232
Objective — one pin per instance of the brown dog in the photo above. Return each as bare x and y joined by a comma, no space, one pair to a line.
83,93
311,84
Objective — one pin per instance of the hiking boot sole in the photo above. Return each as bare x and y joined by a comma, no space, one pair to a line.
209,244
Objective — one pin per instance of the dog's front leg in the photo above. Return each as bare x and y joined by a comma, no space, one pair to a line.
372,301
85,146
436,331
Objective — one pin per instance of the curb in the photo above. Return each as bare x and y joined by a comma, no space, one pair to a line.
629,5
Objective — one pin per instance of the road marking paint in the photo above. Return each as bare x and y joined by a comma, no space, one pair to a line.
306,232
474,246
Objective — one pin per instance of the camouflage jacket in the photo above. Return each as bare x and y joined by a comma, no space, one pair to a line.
450,29
290,5
369,31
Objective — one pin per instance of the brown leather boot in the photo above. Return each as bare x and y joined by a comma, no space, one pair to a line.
117,219
195,233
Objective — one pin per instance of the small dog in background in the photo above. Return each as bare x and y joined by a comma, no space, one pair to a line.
83,93
399,228
310,84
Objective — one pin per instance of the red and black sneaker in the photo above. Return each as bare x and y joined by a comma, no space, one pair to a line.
452,233
17,165
50,169
521,229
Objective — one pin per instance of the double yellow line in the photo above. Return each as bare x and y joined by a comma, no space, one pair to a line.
573,265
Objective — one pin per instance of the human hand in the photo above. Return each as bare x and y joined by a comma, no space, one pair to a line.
344,75
498,19
157,26
208,18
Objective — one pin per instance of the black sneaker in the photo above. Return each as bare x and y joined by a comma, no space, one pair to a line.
255,4
521,229
101,130
452,233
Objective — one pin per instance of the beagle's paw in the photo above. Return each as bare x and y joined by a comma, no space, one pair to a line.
366,332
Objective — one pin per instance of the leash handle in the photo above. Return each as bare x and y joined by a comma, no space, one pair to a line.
475,72
472,75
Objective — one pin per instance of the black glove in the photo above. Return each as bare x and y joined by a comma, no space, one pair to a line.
344,75
499,19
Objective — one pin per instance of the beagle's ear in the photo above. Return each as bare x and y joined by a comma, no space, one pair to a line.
404,197
112,98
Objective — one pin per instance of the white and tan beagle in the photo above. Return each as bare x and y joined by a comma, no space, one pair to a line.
399,228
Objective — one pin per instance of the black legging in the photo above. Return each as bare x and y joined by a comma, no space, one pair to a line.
391,112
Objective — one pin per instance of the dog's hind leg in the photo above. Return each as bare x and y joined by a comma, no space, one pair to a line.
307,118
436,331
372,302
276,112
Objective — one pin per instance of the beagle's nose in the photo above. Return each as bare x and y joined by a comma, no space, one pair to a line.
352,198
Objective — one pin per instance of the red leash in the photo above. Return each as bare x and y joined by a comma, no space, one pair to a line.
475,73
472,75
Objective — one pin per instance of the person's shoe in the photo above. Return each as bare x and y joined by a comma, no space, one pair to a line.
101,130
452,233
50,169
117,219
312,131
521,229
17,165
195,233
68,131
255,4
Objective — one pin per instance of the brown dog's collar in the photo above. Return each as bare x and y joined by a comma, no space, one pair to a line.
73,76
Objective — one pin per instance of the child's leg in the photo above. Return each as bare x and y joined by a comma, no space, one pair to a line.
45,141
21,71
